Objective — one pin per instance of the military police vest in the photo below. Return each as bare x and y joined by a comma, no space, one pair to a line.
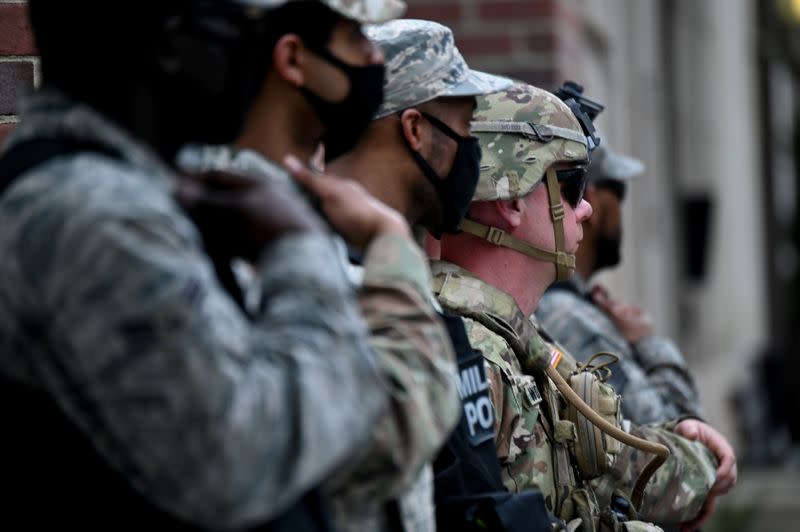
469,491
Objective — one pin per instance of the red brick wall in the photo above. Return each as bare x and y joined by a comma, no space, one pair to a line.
17,61
518,38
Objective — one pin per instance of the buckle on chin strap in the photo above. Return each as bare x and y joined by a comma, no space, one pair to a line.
557,211
565,259
495,235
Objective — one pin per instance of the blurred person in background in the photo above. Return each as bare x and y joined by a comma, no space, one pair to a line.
651,374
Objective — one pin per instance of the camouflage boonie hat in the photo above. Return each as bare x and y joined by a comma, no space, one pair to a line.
608,164
362,11
422,63
523,131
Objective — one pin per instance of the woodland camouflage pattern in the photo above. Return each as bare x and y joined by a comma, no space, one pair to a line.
423,63
526,451
651,375
415,359
511,163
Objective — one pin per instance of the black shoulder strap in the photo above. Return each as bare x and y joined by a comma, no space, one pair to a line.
27,154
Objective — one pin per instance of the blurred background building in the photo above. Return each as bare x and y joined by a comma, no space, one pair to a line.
706,93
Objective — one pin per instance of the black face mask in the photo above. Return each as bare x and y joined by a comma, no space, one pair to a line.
345,121
608,246
608,251
456,190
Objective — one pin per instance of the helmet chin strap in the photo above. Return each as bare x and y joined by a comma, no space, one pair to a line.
557,215
563,261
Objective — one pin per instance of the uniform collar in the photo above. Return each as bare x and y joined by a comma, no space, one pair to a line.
457,288
462,292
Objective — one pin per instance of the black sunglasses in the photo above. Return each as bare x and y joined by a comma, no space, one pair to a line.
573,184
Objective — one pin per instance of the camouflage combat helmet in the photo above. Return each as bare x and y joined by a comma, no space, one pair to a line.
524,132
363,11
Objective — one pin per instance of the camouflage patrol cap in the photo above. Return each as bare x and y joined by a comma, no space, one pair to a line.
363,11
523,131
610,165
422,63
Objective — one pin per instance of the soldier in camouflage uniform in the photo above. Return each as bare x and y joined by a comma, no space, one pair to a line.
428,173
519,231
111,315
413,350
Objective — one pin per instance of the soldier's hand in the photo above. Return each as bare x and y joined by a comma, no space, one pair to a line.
694,429
352,211
704,433
239,215
632,320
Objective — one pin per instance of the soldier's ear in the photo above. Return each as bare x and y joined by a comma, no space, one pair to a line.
289,58
511,212
410,128
503,214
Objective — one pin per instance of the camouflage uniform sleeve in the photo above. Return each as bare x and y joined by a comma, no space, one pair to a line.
651,377
219,419
417,365
677,491
669,375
